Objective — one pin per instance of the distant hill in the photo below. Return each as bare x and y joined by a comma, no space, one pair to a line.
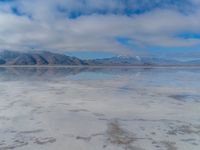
49,58
141,61
37,58
121,60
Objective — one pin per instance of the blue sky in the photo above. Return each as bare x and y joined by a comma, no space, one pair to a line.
102,28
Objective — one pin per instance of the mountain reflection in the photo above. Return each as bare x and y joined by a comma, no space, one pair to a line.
16,73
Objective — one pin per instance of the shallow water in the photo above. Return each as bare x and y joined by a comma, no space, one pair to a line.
99,108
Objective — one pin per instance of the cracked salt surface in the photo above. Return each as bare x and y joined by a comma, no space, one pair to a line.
117,109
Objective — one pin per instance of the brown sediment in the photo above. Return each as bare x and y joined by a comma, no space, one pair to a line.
31,131
16,144
42,141
79,110
117,135
184,129
86,139
169,145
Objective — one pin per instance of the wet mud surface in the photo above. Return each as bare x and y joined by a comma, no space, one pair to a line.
120,109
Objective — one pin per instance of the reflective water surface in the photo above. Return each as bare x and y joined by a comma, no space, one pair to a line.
99,108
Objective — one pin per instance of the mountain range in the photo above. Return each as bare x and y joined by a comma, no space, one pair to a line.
49,58
37,58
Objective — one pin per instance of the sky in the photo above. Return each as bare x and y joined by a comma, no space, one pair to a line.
102,28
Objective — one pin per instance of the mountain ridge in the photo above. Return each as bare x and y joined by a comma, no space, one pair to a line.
49,58
37,58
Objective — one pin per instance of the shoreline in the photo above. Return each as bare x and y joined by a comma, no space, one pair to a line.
99,66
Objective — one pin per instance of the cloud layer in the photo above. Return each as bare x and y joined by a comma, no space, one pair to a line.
95,25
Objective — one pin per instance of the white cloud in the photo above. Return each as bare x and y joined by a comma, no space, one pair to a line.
41,26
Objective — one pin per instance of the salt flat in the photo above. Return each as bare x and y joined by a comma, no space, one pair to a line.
99,108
